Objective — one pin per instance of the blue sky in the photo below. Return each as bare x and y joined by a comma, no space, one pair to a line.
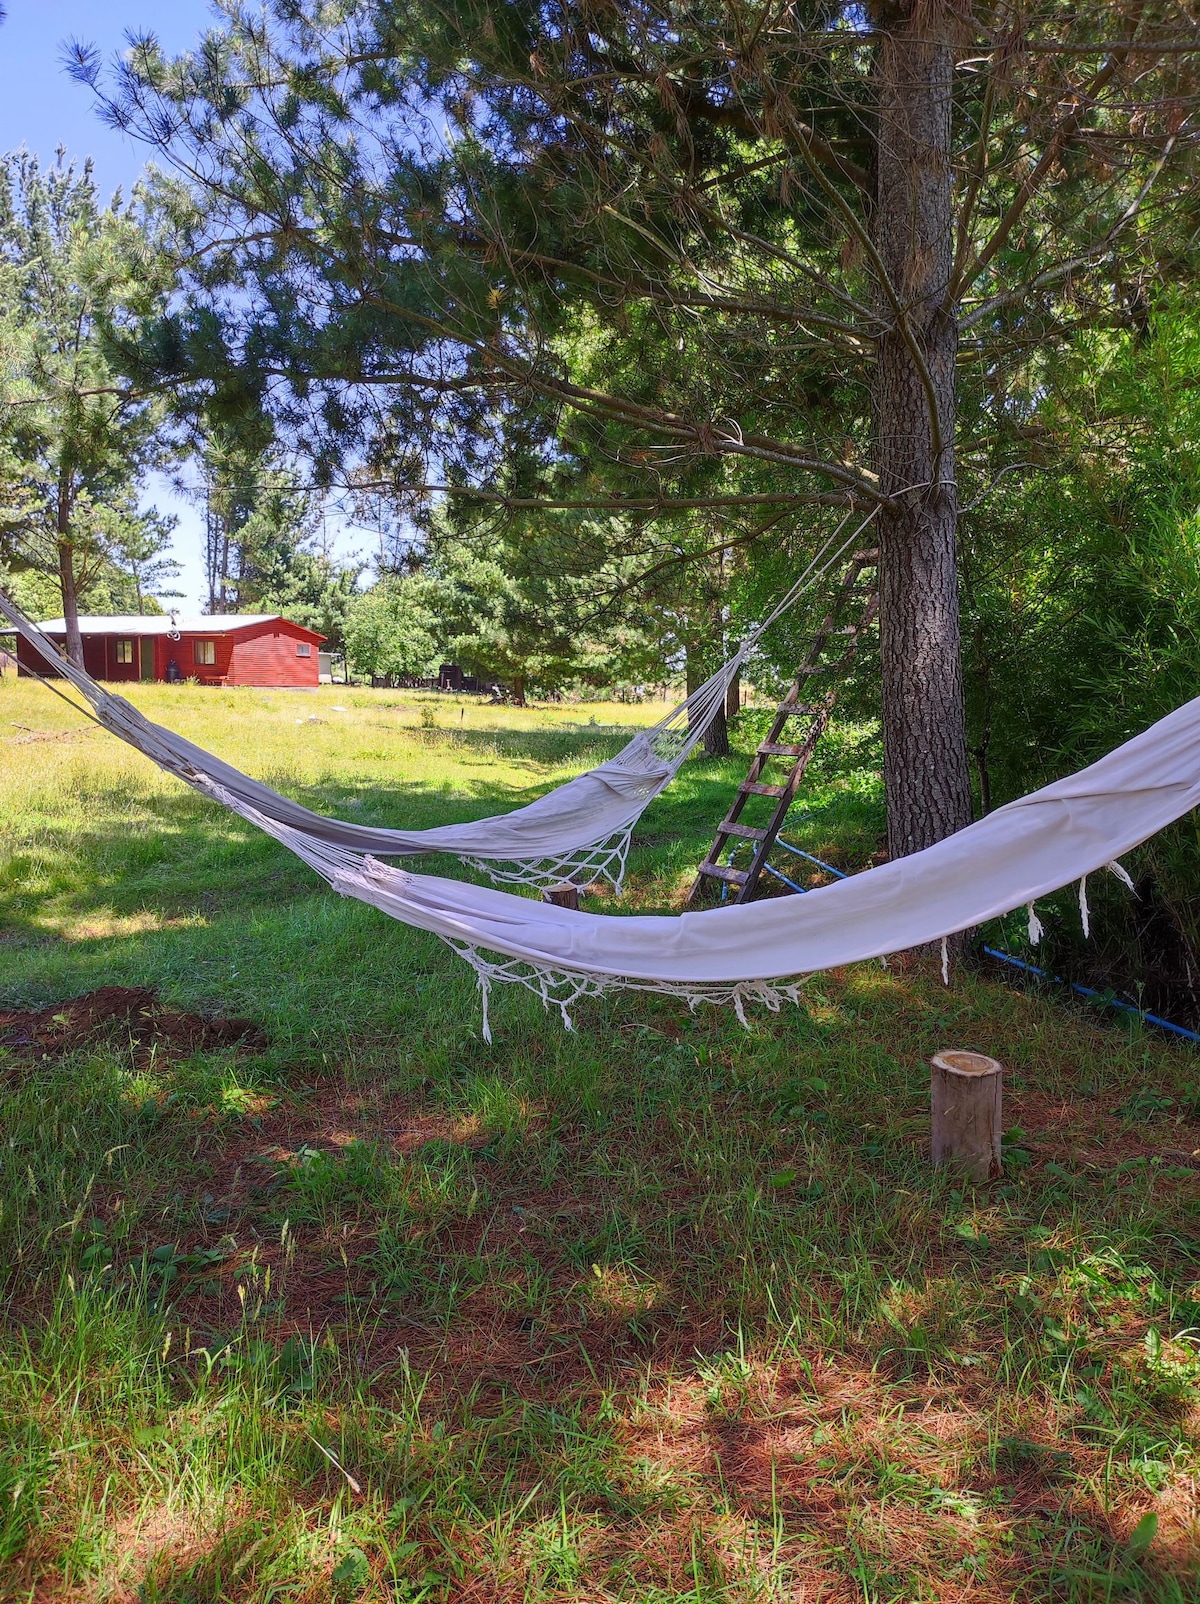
41,107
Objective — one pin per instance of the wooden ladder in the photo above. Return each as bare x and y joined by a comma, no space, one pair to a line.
774,749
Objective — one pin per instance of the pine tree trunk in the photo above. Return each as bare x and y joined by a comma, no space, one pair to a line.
70,599
733,697
716,736
924,727
715,739
693,668
66,571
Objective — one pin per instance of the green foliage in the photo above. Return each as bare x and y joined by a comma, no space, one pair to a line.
110,591
310,589
1084,579
1082,598
262,532
493,625
390,629
75,440
627,247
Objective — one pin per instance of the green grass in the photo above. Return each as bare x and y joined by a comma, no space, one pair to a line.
659,1311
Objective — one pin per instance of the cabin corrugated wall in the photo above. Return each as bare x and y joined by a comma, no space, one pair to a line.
269,657
263,655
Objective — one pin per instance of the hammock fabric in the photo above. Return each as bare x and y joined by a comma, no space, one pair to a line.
1006,861
578,832
1021,852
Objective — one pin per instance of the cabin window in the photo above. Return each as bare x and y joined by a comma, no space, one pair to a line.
303,649
124,651
205,652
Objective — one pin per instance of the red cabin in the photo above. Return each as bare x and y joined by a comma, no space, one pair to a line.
219,649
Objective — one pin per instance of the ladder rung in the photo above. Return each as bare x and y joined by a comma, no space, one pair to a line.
757,789
797,709
777,749
732,827
866,559
718,871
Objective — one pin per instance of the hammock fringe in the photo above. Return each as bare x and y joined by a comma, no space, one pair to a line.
757,952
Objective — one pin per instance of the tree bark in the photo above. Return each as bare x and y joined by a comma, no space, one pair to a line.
966,1112
70,598
716,736
66,575
564,896
926,772
715,739
733,697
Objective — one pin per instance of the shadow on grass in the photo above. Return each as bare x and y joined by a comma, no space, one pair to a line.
599,1315
660,1310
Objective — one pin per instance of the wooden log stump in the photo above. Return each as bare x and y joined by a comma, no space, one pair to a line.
564,896
965,1107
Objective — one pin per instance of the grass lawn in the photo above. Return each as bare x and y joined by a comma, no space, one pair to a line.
658,1311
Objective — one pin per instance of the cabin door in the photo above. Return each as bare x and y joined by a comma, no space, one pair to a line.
147,645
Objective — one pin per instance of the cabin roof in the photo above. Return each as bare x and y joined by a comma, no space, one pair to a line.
165,623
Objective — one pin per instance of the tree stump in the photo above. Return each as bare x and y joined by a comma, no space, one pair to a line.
564,896
965,1106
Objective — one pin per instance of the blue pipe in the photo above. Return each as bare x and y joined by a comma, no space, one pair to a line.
1088,991
778,875
788,847
784,878
992,952
828,867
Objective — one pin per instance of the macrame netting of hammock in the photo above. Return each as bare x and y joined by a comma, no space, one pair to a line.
586,866
578,832
738,952
366,879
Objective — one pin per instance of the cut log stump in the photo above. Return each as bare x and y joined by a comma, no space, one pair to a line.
564,896
965,1106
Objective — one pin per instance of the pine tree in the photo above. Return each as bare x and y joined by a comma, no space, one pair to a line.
438,216
75,438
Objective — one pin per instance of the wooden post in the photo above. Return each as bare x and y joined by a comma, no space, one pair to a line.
965,1093
563,896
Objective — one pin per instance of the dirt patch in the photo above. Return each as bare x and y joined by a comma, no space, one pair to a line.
495,1347
28,734
130,1015
1078,1134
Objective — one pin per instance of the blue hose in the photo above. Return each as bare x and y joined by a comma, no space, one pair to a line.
1089,991
994,952
828,867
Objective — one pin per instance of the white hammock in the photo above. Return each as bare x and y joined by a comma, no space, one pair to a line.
578,832
1021,852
